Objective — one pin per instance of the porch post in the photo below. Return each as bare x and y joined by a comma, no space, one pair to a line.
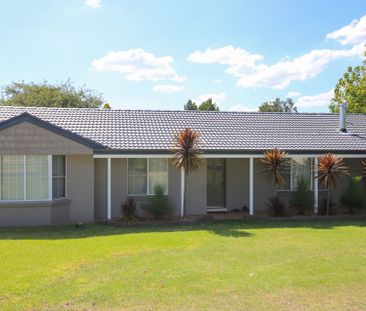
109,190
182,184
251,187
316,193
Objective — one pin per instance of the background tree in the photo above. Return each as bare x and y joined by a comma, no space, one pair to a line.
190,105
64,94
330,169
186,154
351,89
278,105
207,105
106,106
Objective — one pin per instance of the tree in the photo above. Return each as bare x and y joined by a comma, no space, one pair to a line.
330,169
64,94
351,89
278,105
186,154
207,105
106,106
190,105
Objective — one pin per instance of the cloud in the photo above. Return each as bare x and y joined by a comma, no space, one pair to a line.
252,73
293,94
242,108
137,65
95,4
216,97
168,88
216,81
322,99
353,33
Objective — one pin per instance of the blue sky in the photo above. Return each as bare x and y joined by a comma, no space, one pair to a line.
158,54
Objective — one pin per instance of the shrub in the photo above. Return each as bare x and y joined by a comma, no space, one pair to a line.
277,206
323,207
302,198
128,210
353,197
158,205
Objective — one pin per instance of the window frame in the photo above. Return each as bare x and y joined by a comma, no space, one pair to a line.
147,177
290,188
49,177
50,180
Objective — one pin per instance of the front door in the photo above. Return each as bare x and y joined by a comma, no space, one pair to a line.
216,183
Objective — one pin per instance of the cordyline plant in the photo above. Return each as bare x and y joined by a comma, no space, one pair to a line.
187,155
330,169
274,163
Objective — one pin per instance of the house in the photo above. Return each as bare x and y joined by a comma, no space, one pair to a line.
75,165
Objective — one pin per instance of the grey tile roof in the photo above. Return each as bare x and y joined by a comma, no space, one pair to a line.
220,131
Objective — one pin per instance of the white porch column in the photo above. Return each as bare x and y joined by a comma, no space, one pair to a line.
109,189
182,184
251,187
316,193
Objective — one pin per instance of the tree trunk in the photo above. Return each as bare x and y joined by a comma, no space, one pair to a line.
185,192
328,201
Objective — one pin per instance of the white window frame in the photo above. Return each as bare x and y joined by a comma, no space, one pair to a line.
50,178
290,171
147,178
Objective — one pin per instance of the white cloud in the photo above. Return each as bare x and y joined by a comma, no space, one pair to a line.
93,3
137,65
216,81
242,108
216,97
250,73
293,94
322,99
353,33
168,88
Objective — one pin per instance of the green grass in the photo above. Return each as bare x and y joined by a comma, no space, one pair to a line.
294,265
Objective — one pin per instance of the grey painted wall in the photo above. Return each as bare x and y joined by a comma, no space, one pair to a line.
237,183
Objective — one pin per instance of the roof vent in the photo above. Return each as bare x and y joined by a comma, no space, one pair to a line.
342,118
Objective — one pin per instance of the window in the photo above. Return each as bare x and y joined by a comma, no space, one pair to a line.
27,177
144,174
58,177
298,167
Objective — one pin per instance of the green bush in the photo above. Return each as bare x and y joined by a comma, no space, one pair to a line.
302,198
158,205
277,206
128,210
354,197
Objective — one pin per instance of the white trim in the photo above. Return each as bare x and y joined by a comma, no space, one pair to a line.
251,187
216,209
182,178
109,190
316,186
66,165
50,177
223,155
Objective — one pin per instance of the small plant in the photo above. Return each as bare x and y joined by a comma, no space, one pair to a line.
128,210
323,206
354,198
158,205
302,199
277,206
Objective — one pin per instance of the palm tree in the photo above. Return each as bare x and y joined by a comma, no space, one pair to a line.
273,165
330,169
186,155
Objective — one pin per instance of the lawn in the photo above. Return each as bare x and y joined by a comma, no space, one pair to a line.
229,265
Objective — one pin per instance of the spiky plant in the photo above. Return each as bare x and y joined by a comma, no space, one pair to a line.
274,163
186,153
330,169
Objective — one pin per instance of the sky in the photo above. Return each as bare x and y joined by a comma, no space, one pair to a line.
158,54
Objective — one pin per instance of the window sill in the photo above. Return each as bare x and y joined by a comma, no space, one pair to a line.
35,203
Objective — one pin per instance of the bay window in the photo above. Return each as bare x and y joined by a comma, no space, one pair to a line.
27,177
299,167
145,174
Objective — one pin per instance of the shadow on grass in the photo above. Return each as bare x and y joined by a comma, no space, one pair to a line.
223,228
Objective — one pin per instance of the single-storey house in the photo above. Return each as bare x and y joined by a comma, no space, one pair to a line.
62,165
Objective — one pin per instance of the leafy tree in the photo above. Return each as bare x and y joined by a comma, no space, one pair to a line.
351,89
190,105
106,106
186,154
207,105
278,105
64,94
